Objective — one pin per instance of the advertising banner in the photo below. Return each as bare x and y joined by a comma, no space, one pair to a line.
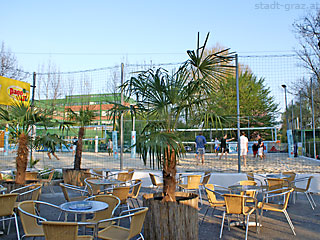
11,90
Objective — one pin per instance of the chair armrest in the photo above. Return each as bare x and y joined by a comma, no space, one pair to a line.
131,210
25,187
31,215
114,219
268,195
29,191
75,188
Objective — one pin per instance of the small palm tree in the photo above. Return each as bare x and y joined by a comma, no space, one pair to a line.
165,99
20,118
83,118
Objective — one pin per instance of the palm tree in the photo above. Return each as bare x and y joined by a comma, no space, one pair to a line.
19,119
83,118
165,99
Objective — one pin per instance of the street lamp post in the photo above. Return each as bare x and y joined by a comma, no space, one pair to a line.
285,99
289,131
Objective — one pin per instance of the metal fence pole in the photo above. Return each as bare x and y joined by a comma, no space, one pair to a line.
121,120
32,105
313,123
301,133
238,113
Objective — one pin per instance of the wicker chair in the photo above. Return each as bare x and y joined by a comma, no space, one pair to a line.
29,217
121,192
212,199
193,183
7,202
122,233
63,231
236,204
92,188
264,205
134,191
47,181
29,192
113,203
154,181
305,190
81,193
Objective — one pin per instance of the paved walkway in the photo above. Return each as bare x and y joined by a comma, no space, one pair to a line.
274,225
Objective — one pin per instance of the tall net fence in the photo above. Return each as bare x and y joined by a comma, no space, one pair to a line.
98,88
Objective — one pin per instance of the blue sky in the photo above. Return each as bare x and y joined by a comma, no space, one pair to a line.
135,31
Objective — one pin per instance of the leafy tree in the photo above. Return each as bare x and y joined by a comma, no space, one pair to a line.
255,101
82,118
165,99
20,118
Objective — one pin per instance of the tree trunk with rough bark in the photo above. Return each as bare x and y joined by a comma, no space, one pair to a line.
78,156
22,159
169,176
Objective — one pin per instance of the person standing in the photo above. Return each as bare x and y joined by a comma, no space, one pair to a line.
110,147
216,146
244,148
260,147
74,142
223,146
200,150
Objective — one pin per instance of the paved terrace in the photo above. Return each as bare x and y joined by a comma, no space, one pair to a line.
274,225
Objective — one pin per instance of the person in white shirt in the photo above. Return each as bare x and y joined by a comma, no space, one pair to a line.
244,148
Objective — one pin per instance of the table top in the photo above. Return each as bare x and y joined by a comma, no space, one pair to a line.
278,175
242,188
83,206
104,181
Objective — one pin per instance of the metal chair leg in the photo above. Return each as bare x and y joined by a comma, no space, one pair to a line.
247,226
289,221
222,223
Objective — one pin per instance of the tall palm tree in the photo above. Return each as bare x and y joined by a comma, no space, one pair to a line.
165,99
20,118
83,118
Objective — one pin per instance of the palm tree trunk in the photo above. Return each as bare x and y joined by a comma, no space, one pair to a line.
78,156
169,176
22,159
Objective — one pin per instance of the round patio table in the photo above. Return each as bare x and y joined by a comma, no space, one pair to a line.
105,181
278,175
243,188
83,208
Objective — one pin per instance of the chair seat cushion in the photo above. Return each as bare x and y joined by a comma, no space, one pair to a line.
114,233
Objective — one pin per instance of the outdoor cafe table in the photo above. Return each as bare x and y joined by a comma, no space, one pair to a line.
243,188
83,208
278,175
105,182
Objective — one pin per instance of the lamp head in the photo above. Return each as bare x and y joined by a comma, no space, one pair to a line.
283,85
